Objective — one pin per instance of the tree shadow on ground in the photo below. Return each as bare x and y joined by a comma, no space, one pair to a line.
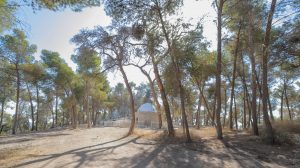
138,152
81,152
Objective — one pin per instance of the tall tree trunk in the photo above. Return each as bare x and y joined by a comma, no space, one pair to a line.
93,113
31,107
56,107
258,111
270,105
243,78
177,73
132,124
63,118
198,120
244,110
281,105
183,113
260,94
287,101
88,114
219,70
171,131
234,75
235,115
2,113
52,113
16,117
225,107
253,71
37,107
265,56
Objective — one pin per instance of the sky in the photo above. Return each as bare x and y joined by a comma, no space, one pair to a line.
53,30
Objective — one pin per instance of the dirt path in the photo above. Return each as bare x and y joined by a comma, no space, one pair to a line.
106,147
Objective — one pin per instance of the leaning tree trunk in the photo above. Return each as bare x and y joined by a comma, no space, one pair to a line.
248,102
132,124
177,75
183,113
209,115
269,101
268,125
234,76
163,94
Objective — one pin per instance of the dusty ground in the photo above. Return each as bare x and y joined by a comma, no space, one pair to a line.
107,147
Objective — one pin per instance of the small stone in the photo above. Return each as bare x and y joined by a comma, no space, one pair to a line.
281,157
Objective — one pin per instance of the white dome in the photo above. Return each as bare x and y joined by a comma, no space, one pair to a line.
147,107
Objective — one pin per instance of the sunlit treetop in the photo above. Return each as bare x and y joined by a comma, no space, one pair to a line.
76,5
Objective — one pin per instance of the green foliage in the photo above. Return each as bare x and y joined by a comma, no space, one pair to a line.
16,49
76,5
7,15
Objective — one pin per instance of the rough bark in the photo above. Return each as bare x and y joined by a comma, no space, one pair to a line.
219,70
265,56
163,95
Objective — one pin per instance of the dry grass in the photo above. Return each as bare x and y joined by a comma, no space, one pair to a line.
14,155
287,126
150,134
286,132
196,134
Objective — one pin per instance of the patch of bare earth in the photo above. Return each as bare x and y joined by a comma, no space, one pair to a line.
107,147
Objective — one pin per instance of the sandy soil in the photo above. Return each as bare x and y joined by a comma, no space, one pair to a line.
107,147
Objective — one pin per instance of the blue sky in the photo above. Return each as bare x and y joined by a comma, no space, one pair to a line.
53,30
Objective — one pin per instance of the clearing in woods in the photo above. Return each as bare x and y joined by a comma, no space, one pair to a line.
107,147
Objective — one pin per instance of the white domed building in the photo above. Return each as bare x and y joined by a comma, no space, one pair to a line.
146,116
